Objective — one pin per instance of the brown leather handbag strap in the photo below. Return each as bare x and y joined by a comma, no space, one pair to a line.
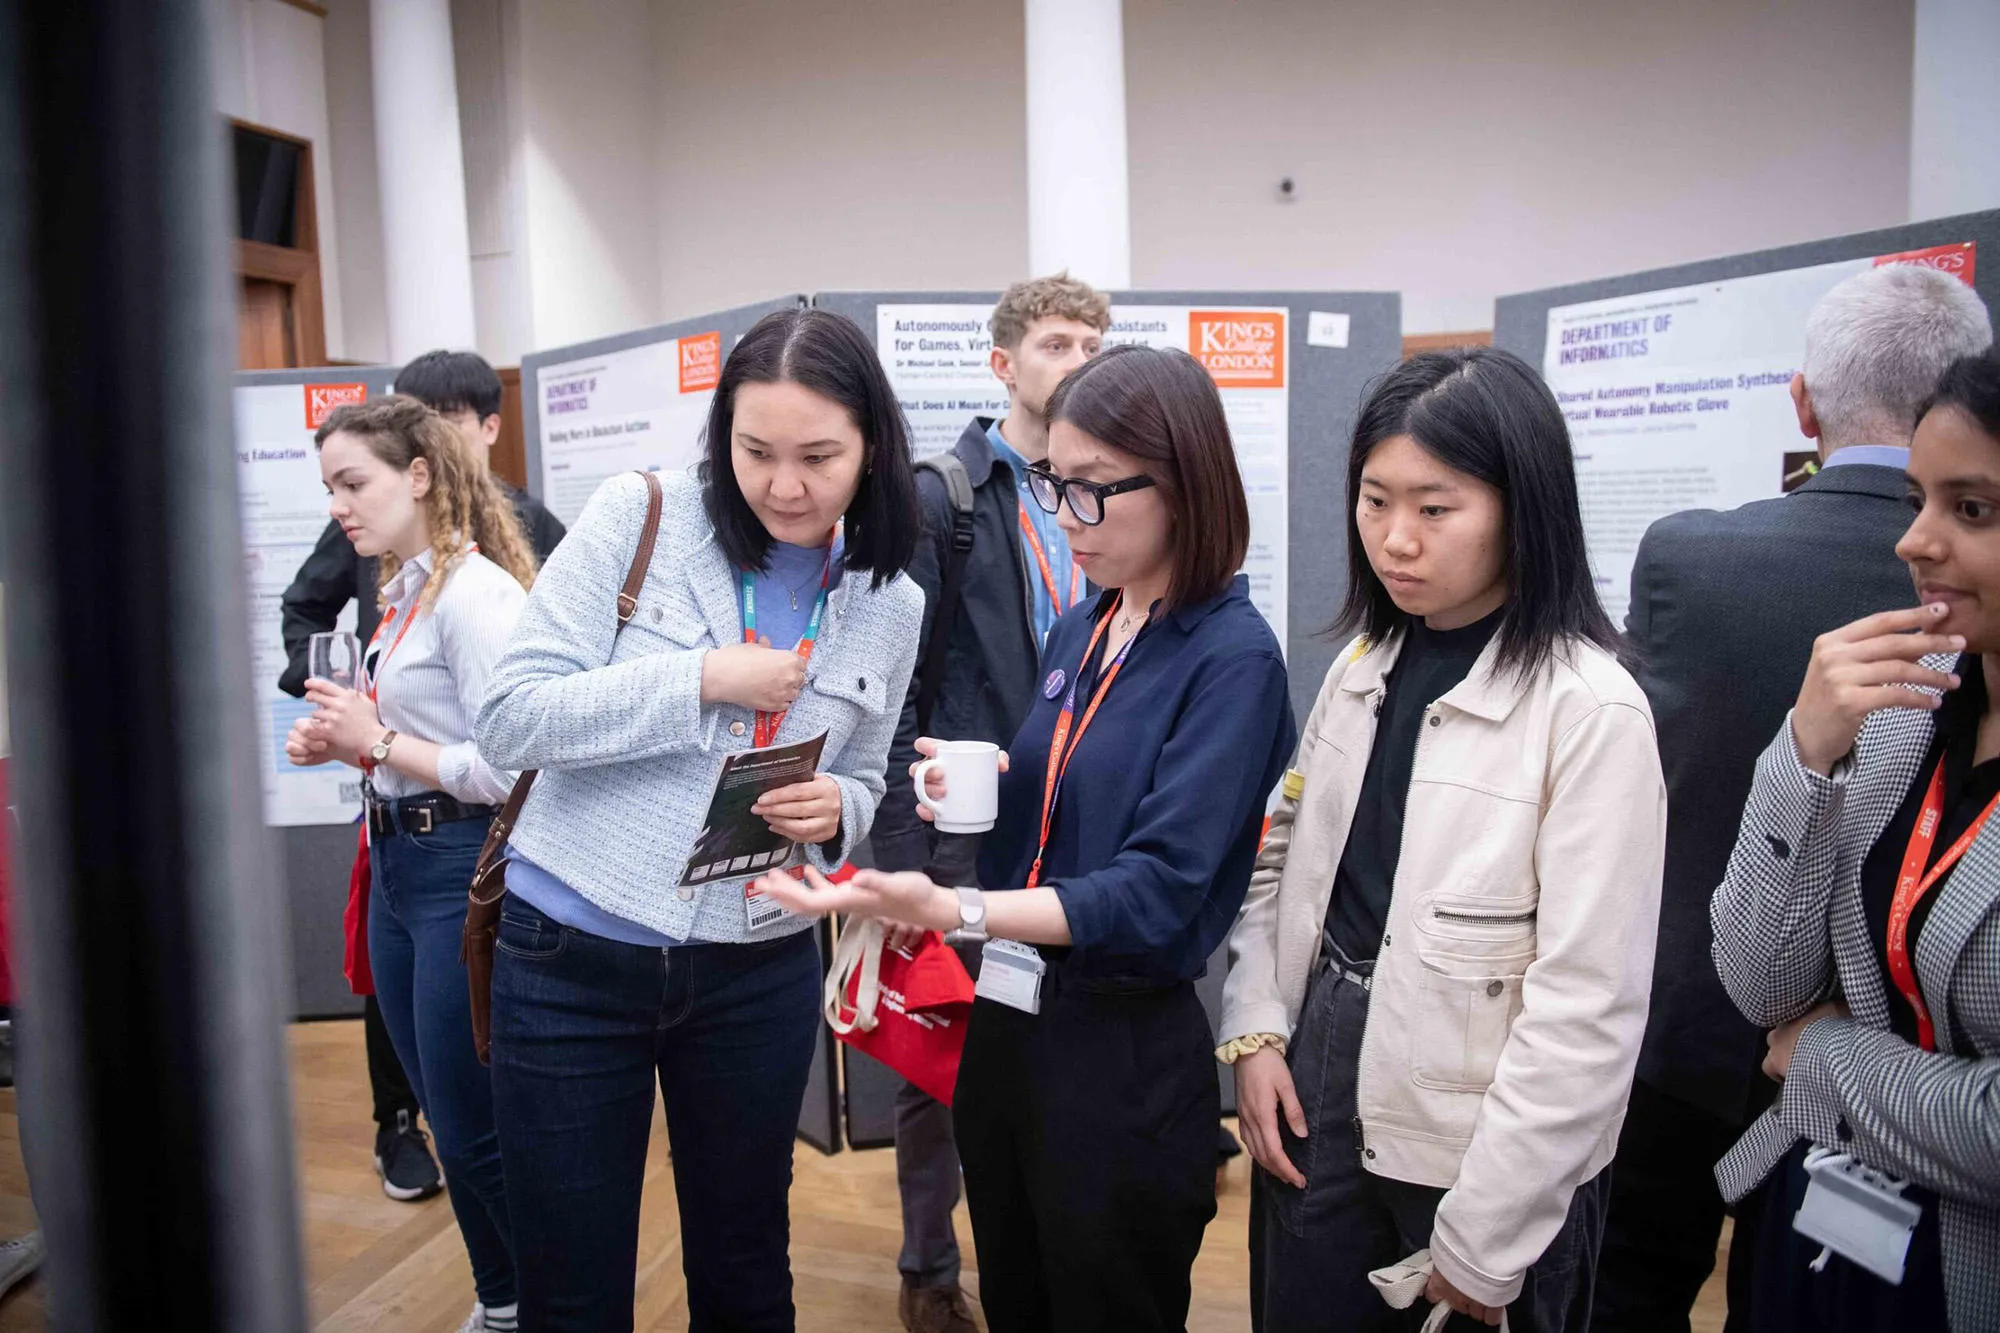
628,605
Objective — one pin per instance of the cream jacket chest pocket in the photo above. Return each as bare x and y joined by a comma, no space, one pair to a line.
864,687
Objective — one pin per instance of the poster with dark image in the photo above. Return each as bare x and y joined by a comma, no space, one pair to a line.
1800,467
735,842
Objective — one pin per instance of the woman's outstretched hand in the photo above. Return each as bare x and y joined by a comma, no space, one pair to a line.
908,896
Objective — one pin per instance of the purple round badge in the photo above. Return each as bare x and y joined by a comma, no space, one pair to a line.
1053,685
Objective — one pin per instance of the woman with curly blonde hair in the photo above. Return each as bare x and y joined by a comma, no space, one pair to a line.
455,568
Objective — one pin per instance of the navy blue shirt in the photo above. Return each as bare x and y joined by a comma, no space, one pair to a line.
1157,826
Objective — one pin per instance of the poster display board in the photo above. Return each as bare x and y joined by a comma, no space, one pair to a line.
1291,368
284,508
634,401
1676,385
938,355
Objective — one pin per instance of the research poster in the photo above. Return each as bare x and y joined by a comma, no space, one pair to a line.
284,512
939,359
641,408
1681,399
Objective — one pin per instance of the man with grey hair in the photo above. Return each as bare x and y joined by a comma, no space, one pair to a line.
1725,608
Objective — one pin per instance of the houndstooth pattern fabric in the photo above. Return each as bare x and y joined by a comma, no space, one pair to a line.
1790,932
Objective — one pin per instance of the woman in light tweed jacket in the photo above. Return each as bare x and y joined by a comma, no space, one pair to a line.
1860,918
758,623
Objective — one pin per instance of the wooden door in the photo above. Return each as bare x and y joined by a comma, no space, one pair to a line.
264,326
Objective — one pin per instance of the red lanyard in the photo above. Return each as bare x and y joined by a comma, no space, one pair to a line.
1062,746
768,723
1913,884
375,676
382,662
1034,540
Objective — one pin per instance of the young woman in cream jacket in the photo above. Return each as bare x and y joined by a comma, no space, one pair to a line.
1439,979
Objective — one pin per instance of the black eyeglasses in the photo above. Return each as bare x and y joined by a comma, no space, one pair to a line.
1086,498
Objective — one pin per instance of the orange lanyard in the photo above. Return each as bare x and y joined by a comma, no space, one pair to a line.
382,662
1034,540
768,723
1062,746
1913,884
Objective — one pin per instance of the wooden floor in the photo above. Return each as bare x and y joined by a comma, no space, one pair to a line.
376,1264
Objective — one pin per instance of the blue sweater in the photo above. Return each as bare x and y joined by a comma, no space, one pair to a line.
1157,826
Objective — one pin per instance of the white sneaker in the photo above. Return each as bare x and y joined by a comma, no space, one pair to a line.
19,1259
499,1319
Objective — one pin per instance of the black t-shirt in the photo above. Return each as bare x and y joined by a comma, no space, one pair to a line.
1430,664
1968,789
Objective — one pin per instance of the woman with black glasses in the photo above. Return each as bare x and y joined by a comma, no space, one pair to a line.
1087,1099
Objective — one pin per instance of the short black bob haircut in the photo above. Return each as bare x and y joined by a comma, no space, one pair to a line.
827,353
1486,413
1972,385
452,382
1161,407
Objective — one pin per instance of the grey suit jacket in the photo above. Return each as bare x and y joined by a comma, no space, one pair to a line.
1725,608
1790,932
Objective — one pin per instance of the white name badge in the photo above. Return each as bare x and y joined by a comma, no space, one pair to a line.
1010,973
1858,1213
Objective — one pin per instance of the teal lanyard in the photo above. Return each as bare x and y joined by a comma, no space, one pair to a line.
768,723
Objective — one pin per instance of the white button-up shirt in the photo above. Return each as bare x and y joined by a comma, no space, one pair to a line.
431,680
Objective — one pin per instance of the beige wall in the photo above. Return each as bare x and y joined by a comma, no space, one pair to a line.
1459,151
589,96
806,144
661,158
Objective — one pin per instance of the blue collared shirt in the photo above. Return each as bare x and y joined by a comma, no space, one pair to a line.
1160,814
1055,545
1881,455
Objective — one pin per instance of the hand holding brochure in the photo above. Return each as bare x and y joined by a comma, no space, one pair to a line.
735,843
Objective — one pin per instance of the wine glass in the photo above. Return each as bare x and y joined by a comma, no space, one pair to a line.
335,657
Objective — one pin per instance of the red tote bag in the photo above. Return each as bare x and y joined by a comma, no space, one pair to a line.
906,1010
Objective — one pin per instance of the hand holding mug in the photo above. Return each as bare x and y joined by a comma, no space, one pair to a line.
958,784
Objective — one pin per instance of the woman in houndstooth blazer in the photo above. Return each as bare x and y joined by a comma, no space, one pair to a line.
1860,917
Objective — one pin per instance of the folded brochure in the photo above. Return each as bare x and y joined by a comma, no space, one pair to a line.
735,843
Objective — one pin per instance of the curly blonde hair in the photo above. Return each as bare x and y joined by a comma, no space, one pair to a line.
464,505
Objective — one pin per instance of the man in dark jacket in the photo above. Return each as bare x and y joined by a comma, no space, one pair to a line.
462,388
1725,608
1015,580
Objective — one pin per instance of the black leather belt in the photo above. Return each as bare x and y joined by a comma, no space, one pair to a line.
420,814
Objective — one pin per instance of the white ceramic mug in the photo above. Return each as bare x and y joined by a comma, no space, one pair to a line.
971,786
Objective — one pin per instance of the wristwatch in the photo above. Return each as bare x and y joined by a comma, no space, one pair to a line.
378,753
971,918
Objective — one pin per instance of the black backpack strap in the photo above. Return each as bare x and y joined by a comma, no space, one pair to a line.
950,469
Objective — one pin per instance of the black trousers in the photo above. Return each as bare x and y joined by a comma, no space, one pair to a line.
1666,1219
386,1079
1087,1133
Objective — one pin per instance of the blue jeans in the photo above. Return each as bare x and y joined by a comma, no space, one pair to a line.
583,1026
416,917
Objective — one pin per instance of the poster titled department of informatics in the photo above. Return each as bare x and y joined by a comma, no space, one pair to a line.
1680,399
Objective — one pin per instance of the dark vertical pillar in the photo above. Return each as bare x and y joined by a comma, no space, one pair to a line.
153,1079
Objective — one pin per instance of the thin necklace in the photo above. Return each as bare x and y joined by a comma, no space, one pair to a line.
793,593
